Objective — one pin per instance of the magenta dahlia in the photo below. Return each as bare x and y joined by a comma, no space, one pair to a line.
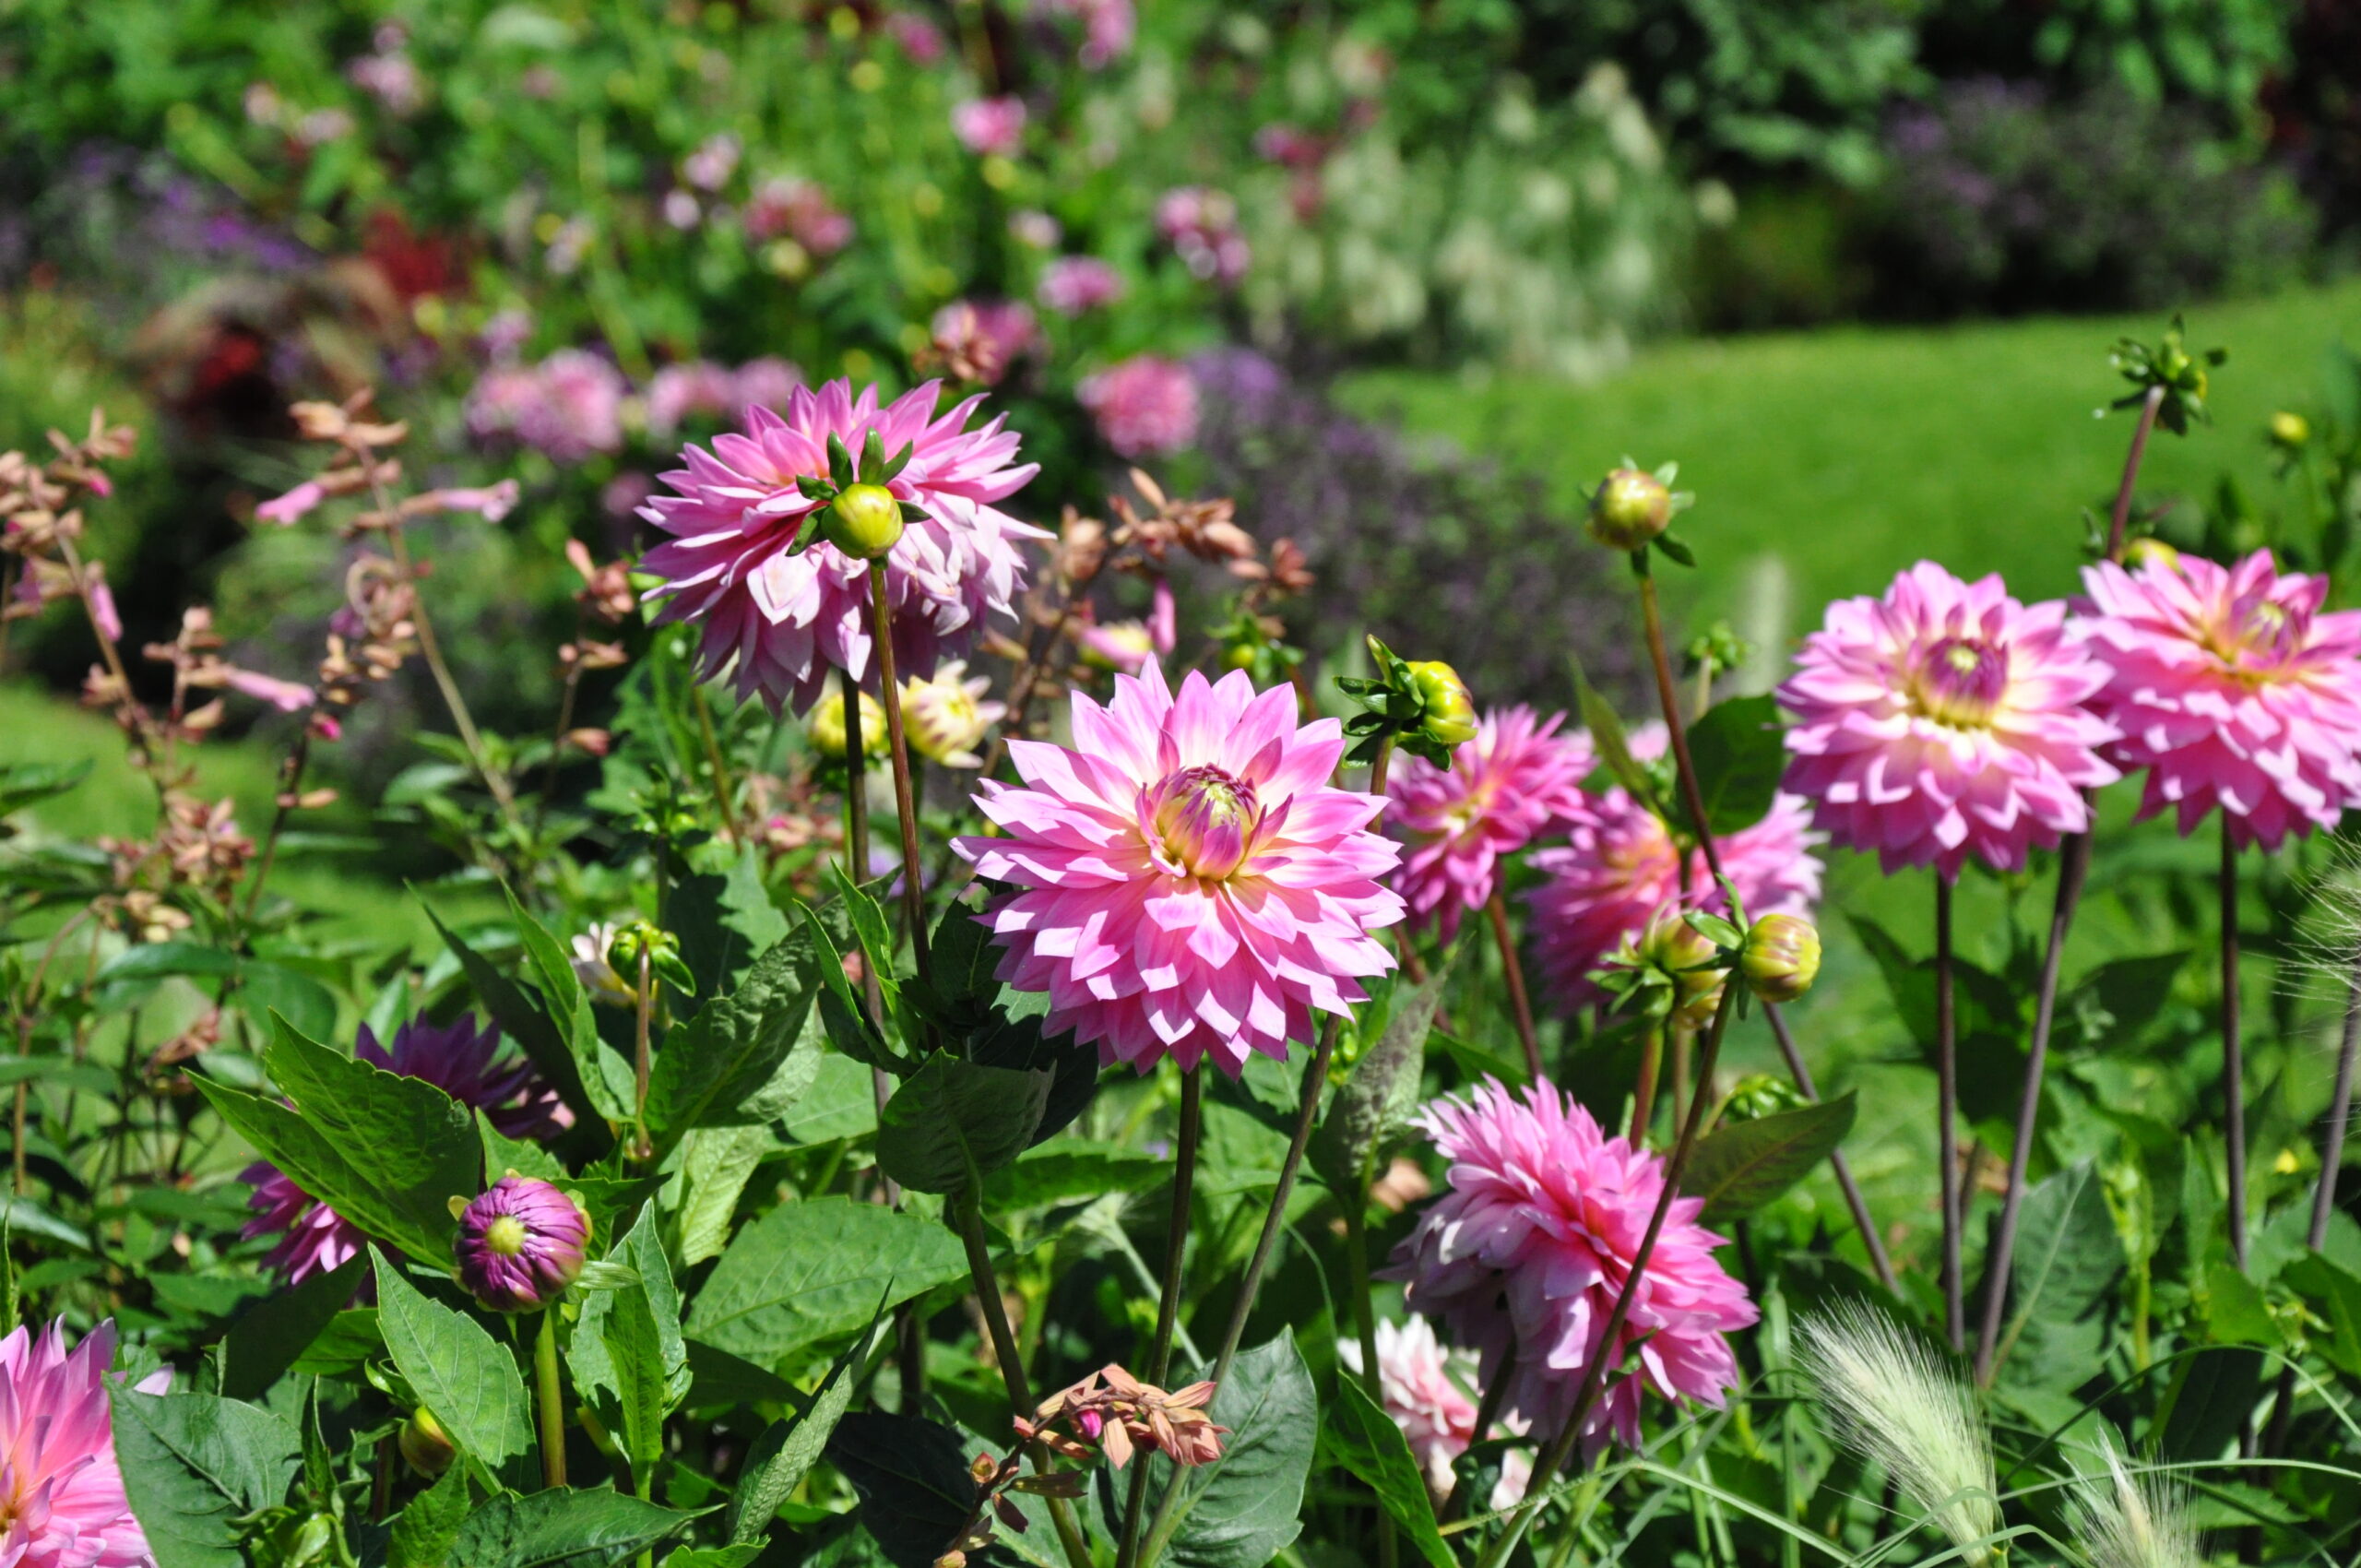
463,1060
62,1504
1144,407
2232,687
1946,720
1534,1241
1517,781
520,1244
1188,882
785,621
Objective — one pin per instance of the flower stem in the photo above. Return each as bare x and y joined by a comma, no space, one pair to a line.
551,1401
1947,1117
2234,1092
890,687
1643,1092
2122,515
644,1008
1595,1375
432,648
1373,1382
1168,1309
1488,1410
2073,863
721,786
1520,1007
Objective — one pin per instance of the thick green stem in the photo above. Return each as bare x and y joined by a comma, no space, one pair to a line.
1946,1118
1365,1322
551,1398
2233,1086
889,684
1168,1309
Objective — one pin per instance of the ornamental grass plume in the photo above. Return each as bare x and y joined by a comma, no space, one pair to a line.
778,623
1188,883
1896,1404
1525,1255
1946,720
62,1502
2232,687
1517,781
2122,1522
462,1059
1435,1414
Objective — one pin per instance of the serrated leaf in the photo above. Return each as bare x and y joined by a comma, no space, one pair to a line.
953,1123
627,1356
790,1446
1740,1167
424,1532
911,1477
713,1066
269,1336
1068,1169
1366,1441
1607,739
565,1528
2067,1257
1738,757
1246,1507
716,1163
812,1270
606,1077
194,1464
459,1371
724,919
522,1019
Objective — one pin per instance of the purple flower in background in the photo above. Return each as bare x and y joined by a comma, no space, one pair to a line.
1073,284
520,1244
990,125
1144,407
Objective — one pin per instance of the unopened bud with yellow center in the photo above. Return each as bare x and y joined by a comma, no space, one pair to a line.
425,1446
864,521
1632,507
825,726
1782,957
1204,819
945,717
1450,711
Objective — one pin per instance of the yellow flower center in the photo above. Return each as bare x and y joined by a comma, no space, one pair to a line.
506,1236
1960,682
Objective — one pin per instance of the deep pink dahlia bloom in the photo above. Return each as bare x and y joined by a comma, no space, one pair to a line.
1946,720
1144,407
1435,1414
60,1490
463,1060
2233,688
1534,1241
520,1244
785,621
1516,781
1189,884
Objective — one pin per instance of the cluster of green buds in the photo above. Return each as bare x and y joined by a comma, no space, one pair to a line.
1633,507
858,514
1677,967
1421,704
2168,368
1253,643
662,950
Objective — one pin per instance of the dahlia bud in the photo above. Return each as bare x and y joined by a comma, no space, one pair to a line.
945,716
2152,551
520,1244
1450,711
1674,949
425,1445
825,727
2290,429
864,521
1782,957
1632,507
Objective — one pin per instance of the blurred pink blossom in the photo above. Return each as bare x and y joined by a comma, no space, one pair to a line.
568,406
1144,407
801,210
285,509
1202,225
287,697
990,125
978,339
1073,284
919,39
1108,28
710,166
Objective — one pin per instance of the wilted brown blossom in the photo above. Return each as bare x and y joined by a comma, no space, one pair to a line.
1117,1412
606,594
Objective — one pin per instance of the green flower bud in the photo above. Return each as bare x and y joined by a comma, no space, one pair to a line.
2144,552
425,1446
1450,711
1669,951
864,521
825,726
1632,507
2290,429
1782,957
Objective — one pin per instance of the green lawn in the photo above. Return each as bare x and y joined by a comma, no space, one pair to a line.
1845,454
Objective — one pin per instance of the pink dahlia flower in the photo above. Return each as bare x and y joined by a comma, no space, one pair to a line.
1619,869
1189,884
680,392
1945,720
1144,407
1518,779
463,1060
1434,1412
785,621
801,210
990,125
2233,688
568,406
60,1490
1073,284
1535,1241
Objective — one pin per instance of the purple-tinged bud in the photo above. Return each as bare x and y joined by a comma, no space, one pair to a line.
520,1244
1450,712
864,521
425,1445
1632,507
1782,957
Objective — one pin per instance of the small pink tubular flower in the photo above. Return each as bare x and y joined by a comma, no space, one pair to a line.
1434,1413
1073,284
1535,1241
287,697
2233,688
1144,407
783,620
62,1502
1189,884
520,1244
990,125
1517,781
284,510
1945,720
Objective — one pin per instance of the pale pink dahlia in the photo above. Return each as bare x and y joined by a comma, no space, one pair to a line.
1945,720
463,1060
2233,688
1421,1393
1073,284
785,621
60,1490
1517,781
1619,869
1144,407
1533,1243
1188,882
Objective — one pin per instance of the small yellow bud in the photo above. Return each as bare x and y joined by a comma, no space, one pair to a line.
425,1446
1632,507
825,726
864,521
1451,712
1782,957
2290,429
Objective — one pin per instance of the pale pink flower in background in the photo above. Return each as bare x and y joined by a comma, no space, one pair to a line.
679,392
1031,226
1189,882
1518,780
391,77
1073,284
801,210
1534,1241
2233,688
1144,407
978,339
920,39
62,1502
1120,646
1434,1412
103,613
1202,225
710,166
768,383
505,334
568,406
285,510
681,210
782,622
1107,29
1619,869
1163,617
990,125
491,502
1945,720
